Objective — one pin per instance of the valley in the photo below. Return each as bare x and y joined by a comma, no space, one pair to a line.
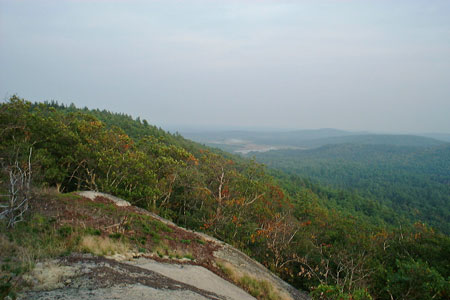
408,174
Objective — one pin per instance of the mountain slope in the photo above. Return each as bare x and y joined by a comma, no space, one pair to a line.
284,223
151,269
413,181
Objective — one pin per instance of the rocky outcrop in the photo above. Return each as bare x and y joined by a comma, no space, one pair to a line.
92,195
143,276
84,276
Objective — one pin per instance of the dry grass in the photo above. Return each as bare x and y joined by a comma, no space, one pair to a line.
164,251
102,245
49,275
257,287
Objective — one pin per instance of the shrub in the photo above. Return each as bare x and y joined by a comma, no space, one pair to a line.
334,292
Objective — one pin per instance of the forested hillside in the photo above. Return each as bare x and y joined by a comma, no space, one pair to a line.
413,181
284,222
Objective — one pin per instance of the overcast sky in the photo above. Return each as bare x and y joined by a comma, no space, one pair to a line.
374,65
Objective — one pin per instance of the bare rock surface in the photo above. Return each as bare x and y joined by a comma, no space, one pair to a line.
135,291
94,277
196,276
92,195
247,266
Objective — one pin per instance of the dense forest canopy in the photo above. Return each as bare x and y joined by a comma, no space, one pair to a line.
413,181
285,222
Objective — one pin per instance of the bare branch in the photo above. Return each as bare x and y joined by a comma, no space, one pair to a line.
19,191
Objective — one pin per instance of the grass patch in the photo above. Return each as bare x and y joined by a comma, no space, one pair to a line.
7,287
50,192
142,240
116,235
225,269
39,237
200,241
258,288
65,231
102,245
92,231
156,238
153,228
150,225
164,251
34,239
189,256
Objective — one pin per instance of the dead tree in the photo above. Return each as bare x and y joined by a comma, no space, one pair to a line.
19,192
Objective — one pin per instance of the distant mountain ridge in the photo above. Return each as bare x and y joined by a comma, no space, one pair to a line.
244,141
445,137
376,139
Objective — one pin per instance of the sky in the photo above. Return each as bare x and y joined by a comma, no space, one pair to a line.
377,65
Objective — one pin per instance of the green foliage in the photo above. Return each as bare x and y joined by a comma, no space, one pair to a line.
201,242
93,231
7,287
309,234
36,238
189,256
116,235
383,182
416,280
334,292
65,231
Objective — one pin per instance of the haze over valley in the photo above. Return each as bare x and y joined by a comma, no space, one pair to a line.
245,142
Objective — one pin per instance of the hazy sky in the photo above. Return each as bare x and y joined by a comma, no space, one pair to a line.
375,65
